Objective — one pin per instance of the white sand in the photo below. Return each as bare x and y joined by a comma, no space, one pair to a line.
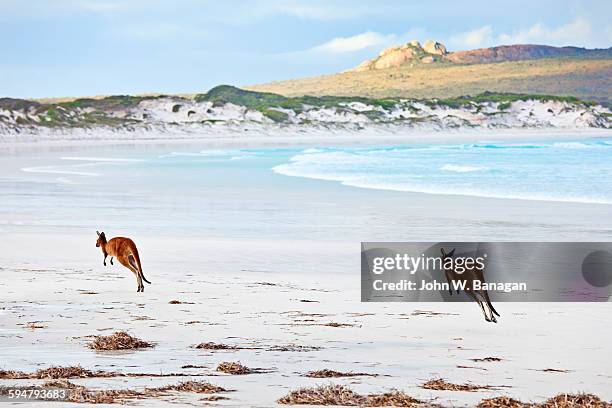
45,275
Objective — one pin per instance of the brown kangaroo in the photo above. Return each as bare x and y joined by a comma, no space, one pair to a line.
124,249
480,296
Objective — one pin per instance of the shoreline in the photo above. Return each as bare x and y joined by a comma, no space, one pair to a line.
296,136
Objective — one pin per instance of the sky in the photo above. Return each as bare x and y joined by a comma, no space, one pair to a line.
58,48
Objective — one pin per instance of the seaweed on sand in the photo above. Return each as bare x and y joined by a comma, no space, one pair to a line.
575,401
323,395
344,396
442,385
558,401
502,402
215,346
234,368
118,341
80,394
325,373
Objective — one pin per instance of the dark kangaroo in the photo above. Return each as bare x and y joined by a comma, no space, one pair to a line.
124,249
480,296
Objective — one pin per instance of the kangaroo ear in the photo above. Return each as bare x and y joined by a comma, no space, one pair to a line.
451,253
98,232
442,250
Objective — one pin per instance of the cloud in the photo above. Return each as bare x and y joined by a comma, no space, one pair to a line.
367,40
480,37
356,42
579,32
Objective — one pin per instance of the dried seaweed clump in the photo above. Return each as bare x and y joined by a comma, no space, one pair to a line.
234,368
325,373
200,387
575,401
559,401
341,395
13,375
335,324
215,346
502,402
394,399
81,394
118,341
68,372
53,373
441,385
323,395
486,359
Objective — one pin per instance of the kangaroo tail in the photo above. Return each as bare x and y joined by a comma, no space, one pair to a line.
137,258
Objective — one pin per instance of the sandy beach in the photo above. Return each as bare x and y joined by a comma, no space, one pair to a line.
269,264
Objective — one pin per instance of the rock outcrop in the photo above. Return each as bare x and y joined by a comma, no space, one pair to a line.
410,53
434,48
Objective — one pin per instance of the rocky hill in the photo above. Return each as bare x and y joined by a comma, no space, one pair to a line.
587,79
524,52
432,51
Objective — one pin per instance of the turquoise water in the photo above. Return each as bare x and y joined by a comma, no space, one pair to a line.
302,192
561,171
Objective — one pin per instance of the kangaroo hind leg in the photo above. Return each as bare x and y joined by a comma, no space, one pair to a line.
125,262
487,304
138,272
486,296
473,296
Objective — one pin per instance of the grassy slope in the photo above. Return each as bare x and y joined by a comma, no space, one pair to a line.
585,79
265,100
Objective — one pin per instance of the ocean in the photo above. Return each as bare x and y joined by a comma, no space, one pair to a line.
360,192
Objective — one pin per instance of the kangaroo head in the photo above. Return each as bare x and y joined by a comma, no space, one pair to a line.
447,254
101,239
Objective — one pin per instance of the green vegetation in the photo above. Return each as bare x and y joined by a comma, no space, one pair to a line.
107,103
17,104
262,101
275,115
504,99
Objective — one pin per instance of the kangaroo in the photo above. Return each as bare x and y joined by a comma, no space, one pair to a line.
124,249
480,296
